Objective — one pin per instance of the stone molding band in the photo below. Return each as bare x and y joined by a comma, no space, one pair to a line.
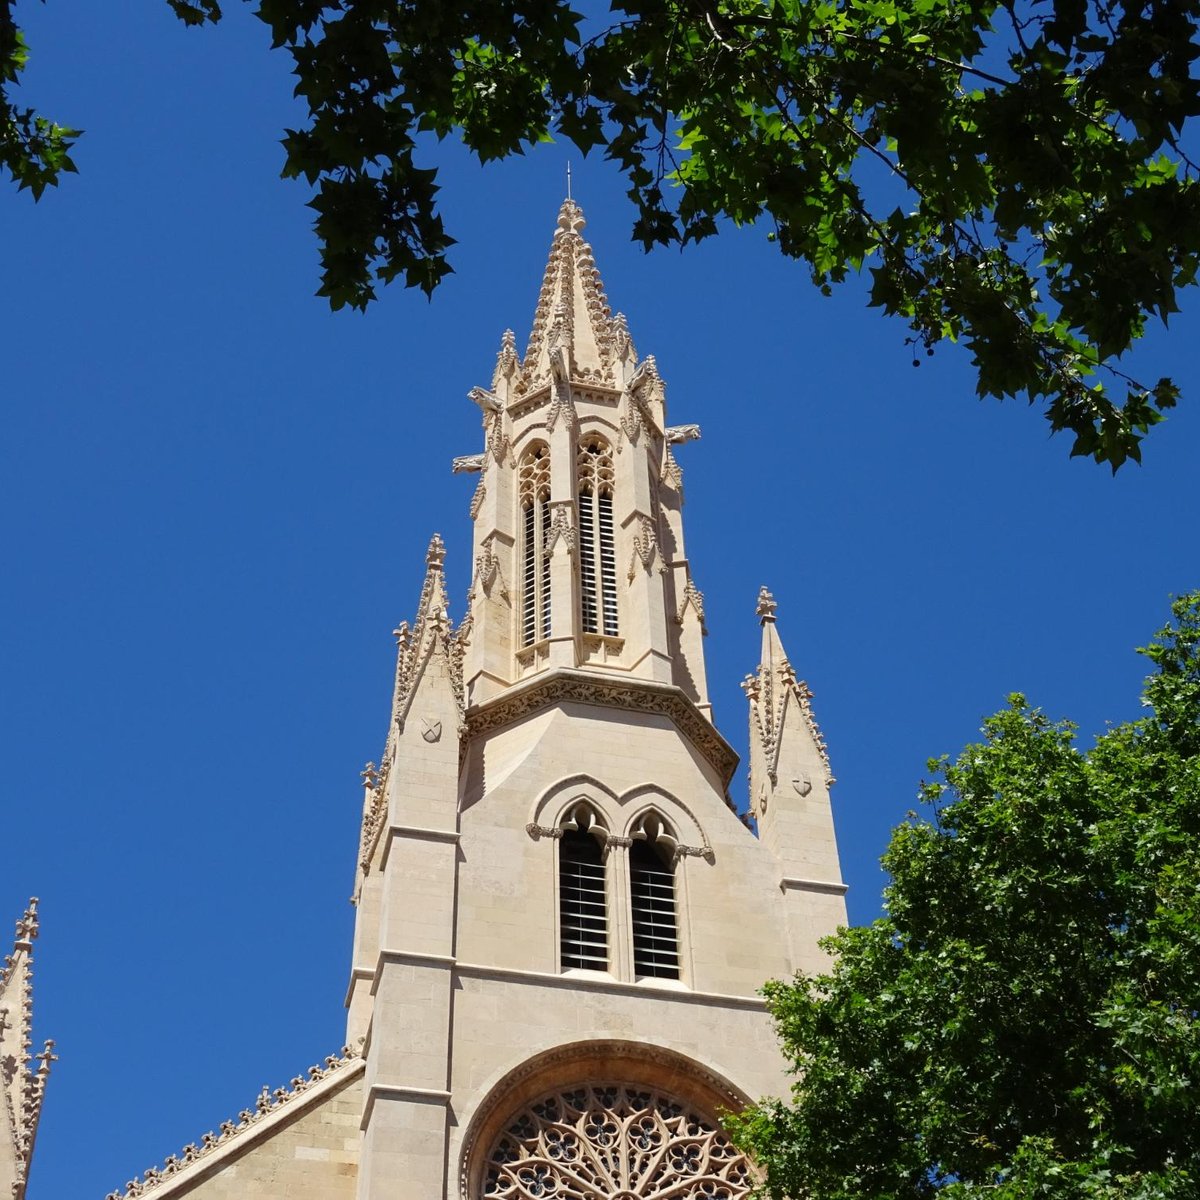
413,958
422,833
616,986
829,887
645,696
410,1095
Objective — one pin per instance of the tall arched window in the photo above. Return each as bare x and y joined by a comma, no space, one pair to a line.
597,551
534,491
582,905
652,899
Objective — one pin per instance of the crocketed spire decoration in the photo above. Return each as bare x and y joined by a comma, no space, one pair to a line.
572,321
773,689
24,1084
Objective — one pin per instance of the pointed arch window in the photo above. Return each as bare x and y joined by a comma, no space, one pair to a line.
652,899
582,899
597,549
534,492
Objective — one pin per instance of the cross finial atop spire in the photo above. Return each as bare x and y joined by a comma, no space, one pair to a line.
568,180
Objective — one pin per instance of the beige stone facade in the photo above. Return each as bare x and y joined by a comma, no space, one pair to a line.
562,922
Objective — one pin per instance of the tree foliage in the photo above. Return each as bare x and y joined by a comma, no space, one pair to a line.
1011,173
33,149
1025,1020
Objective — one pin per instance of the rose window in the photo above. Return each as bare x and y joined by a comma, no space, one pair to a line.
614,1142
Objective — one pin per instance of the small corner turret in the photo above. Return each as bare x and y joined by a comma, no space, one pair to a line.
790,780
24,1084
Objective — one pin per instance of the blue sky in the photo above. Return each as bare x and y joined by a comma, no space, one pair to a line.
217,495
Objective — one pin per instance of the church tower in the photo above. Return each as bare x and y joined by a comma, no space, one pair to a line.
562,922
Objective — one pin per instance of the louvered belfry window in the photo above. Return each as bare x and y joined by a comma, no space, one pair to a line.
597,549
652,901
583,916
534,492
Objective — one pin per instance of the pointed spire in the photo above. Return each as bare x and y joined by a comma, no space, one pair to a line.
772,688
572,323
433,609
24,1085
430,629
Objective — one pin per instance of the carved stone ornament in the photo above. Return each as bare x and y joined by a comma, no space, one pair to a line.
704,852
507,363
466,464
645,545
682,433
487,567
562,525
631,424
671,474
803,785
431,731
692,597
614,1142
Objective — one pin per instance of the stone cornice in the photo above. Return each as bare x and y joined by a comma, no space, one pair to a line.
398,1092
563,686
830,887
598,981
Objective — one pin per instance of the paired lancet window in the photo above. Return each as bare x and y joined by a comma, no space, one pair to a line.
534,492
583,863
597,551
597,546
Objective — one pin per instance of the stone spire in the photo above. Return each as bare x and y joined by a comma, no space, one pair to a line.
573,331
430,632
789,787
776,695
579,560
24,1085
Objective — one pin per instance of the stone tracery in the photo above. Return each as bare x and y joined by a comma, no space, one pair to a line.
614,1142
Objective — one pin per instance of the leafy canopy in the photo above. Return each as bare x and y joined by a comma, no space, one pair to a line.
1025,1020
1011,173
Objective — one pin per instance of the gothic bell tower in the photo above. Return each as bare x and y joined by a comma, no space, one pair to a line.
562,922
